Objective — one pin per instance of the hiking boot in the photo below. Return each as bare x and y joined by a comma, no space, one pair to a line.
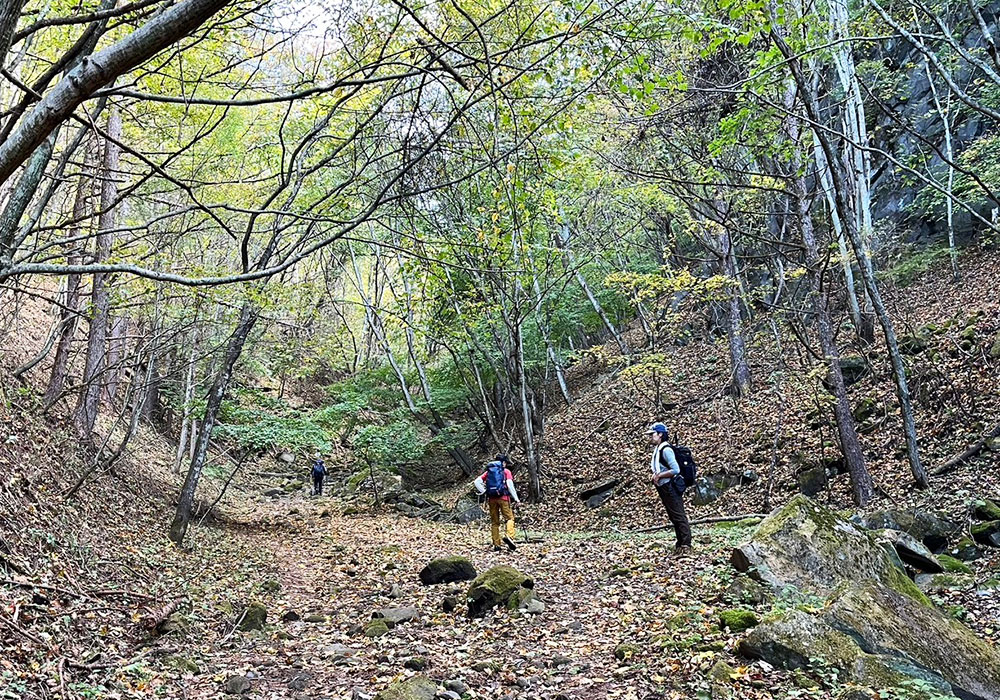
510,543
496,548
683,550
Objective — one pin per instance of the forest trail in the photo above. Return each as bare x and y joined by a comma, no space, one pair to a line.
599,591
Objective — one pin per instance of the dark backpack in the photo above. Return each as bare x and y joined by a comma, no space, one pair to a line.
496,484
685,460
319,468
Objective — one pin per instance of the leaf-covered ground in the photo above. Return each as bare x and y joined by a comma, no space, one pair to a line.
333,572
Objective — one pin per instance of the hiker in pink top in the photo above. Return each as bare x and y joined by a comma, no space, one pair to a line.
497,484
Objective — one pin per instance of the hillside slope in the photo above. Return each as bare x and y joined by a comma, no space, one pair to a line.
955,381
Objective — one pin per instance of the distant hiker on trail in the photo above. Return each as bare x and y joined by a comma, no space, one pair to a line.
318,472
666,475
497,484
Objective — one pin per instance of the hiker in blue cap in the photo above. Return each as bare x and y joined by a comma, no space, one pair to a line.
666,471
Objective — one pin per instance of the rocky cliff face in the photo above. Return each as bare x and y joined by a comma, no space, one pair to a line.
904,122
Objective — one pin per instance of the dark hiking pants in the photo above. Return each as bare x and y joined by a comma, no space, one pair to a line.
675,511
317,484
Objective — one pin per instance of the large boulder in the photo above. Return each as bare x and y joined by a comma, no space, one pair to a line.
497,586
877,636
447,570
912,552
705,492
466,510
935,530
596,496
806,546
416,688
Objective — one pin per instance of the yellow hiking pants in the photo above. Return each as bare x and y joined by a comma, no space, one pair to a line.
500,507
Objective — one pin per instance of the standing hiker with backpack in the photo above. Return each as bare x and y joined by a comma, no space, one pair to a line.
318,472
670,483
497,484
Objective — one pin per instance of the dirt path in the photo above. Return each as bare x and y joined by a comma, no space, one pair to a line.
598,591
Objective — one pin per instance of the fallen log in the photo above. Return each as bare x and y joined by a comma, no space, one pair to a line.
970,452
155,617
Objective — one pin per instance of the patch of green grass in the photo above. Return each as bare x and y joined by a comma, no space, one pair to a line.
913,266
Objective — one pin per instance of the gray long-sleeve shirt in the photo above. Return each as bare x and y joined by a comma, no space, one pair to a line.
664,453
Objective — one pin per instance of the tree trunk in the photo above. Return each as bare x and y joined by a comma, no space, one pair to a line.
457,452
527,416
88,405
186,410
10,12
116,356
945,115
20,198
741,379
70,319
861,481
182,516
867,271
598,309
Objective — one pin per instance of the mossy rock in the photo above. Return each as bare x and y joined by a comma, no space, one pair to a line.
854,692
721,672
936,583
626,651
986,533
797,639
685,618
620,572
447,570
965,550
986,510
738,620
995,348
880,638
254,618
854,369
417,663
913,344
933,643
806,546
866,408
376,628
520,598
952,565
495,587
177,623
183,664
271,586
747,591
416,688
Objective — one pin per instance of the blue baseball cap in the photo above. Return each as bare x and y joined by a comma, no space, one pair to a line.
657,428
